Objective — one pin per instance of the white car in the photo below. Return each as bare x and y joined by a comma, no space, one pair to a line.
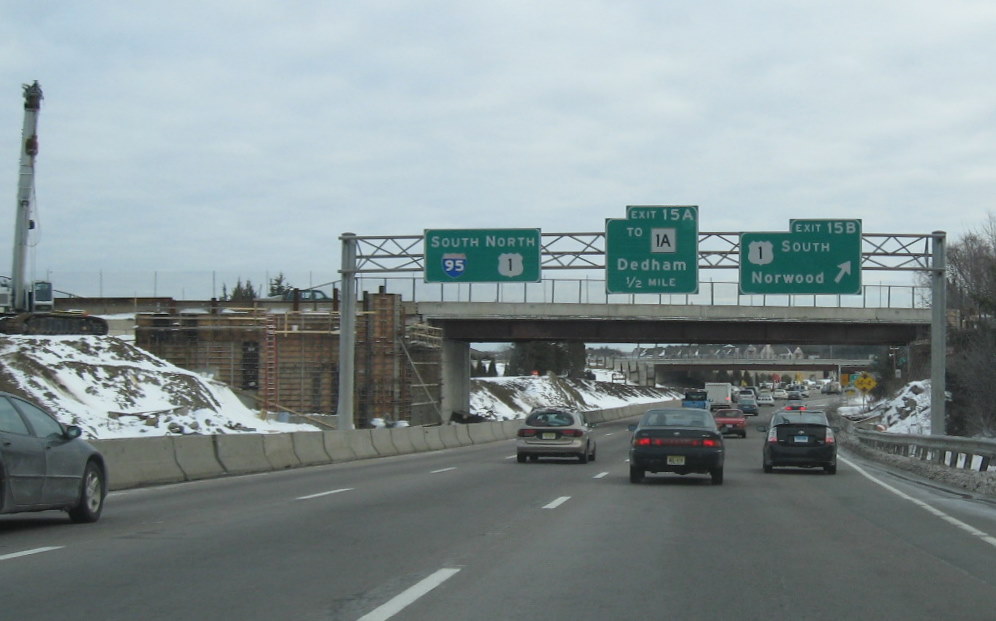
780,393
765,398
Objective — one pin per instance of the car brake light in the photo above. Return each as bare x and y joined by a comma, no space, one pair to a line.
830,438
773,436
573,433
527,433
710,442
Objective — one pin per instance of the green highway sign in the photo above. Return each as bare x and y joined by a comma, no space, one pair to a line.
482,255
655,249
814,257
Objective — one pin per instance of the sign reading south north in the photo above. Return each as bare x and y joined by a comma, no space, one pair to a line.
814,257
655,249
482,255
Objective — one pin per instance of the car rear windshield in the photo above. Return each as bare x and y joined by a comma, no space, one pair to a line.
696,395
550,419
803,418
677,418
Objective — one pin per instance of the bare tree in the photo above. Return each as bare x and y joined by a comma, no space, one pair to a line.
972,291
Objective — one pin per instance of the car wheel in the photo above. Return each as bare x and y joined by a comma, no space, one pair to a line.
583,456
717,476
831,469
592,458
768,468
635,474
744,435
91,495
519,457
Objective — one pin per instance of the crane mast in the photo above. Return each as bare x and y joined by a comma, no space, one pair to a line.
25,196
28,307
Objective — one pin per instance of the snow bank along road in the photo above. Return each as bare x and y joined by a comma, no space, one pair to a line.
468,533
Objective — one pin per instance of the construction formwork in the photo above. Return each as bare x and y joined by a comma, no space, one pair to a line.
289,361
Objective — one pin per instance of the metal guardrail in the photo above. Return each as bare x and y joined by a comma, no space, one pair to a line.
951,451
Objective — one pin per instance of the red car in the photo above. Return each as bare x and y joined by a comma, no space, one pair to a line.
731,421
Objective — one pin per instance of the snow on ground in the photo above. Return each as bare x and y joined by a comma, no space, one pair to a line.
112,389
502,398
906,413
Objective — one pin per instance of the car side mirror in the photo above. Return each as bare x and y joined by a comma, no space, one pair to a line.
762,428
73,432
631,427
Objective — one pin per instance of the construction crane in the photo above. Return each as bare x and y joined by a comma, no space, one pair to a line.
28,309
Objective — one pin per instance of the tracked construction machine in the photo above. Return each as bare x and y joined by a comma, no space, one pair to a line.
28,308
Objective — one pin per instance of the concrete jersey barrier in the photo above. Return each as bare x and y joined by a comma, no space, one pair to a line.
133,462
197,457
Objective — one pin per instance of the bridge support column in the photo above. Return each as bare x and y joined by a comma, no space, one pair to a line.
455,378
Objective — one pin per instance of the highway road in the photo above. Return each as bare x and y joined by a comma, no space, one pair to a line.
470,534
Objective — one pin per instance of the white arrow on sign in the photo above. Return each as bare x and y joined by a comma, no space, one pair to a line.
845,268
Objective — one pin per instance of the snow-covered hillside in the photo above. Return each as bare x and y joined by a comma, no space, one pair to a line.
112,389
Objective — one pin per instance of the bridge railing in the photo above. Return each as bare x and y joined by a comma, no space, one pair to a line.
592,291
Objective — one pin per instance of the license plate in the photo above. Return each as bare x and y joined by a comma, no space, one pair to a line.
801,439
549,436
676,460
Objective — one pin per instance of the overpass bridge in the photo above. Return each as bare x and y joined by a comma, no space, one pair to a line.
635,318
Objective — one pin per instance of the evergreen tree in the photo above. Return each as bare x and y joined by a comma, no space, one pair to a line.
243,292
561,358
279,285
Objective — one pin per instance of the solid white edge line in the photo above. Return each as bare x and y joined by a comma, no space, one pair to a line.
968,528
556,503
6,557
404,599
319,495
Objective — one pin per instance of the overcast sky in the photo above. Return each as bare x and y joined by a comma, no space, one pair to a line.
244,136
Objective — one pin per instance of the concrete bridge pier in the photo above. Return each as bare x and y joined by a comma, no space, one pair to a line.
455,378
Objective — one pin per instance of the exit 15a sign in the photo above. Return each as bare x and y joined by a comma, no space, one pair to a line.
655,249
814,257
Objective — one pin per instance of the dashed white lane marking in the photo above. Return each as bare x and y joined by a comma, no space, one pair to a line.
319,495
7,557
442,470
556,503
601,475
968,528
408,596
